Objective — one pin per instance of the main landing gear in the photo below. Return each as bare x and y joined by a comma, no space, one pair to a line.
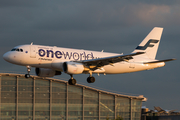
28,70
72,81
90,79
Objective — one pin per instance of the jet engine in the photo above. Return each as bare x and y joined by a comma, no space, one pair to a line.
57,65
44,72
73,68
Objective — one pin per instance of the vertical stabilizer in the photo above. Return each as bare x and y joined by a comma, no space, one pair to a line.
151,43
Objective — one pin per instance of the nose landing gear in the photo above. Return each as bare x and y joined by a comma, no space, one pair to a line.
28,70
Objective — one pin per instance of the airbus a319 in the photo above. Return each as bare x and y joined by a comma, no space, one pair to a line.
50,61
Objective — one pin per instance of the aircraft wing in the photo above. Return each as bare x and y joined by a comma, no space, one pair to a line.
94,64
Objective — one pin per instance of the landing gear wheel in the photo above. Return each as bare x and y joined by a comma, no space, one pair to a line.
72,81
90,79
27,75
28,70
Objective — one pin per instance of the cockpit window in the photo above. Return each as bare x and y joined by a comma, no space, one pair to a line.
14,49
17,49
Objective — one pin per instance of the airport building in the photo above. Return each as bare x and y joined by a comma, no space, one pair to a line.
38,98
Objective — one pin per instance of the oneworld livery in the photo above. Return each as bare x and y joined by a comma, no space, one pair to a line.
50,61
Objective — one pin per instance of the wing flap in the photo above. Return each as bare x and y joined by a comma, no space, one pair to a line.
98,63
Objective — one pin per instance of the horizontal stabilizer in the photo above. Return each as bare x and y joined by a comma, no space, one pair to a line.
159,61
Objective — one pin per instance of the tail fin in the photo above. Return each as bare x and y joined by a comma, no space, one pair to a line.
151,43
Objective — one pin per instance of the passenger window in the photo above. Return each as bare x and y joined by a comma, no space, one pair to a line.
21,50
17,49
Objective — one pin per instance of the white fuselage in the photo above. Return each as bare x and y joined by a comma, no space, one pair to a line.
51,57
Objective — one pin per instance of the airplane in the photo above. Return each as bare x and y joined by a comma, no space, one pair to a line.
161,111
50,61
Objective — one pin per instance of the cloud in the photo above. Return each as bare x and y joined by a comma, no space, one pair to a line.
149,14
102,16
87,15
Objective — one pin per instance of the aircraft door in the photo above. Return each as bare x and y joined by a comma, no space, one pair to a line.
32,52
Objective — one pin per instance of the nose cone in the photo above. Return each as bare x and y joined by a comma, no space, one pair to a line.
13,57
6,56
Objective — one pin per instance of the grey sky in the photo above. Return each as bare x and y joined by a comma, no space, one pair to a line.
112,26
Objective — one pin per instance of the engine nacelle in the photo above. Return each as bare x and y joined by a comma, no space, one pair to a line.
73,67
44,72
57,65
